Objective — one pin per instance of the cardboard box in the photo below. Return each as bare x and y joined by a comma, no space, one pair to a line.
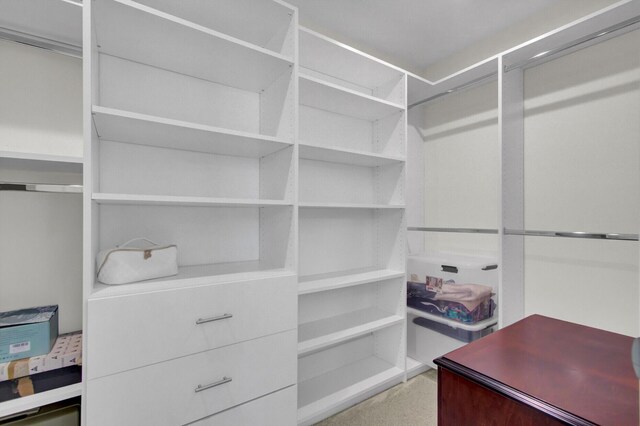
67,351
28,332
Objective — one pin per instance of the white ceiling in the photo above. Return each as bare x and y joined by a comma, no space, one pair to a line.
414,33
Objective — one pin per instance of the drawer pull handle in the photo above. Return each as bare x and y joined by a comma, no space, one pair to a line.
222,381
211,319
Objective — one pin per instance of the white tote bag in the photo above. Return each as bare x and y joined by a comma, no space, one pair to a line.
128,263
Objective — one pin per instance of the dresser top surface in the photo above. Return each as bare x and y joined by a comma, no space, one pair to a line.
578,369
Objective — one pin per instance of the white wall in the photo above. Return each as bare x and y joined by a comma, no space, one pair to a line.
40,102
460,169
40,234
582,173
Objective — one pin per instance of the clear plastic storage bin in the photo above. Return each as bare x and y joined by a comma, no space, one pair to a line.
431,335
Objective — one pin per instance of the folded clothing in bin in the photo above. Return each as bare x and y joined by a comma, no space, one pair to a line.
467,303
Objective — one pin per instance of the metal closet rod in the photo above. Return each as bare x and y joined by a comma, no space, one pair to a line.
456,230
573,234
607,31
532,233
41,187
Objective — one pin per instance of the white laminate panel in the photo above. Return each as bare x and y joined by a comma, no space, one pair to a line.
276,409
144,89
254,21
171,43
461,167
345,64
164,393
136,330
334,240
582,173
135,169
41,102
321,181
328,129
320,94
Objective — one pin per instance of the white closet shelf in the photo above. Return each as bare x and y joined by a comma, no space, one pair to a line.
346,156
30,402
40,162
332,389
130,127
481,325
41,157
320,53
331,97
331,281
318,205
254,21
193,276
315,335
415,367
164,41
168,200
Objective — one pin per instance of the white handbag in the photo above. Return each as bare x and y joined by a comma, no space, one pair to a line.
127,264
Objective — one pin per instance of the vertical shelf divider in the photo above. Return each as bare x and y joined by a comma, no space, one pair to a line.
511,256
352,191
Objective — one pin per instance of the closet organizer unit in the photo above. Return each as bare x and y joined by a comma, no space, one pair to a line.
454,139
352,149
597,128
41,172
508,67
190,140
41,194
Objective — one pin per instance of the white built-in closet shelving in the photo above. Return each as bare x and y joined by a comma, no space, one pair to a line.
191,140
31,156
613,21
208,127
352,154
193,108
58,171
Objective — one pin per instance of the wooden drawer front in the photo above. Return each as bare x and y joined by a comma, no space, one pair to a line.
137,330
276,409
165,393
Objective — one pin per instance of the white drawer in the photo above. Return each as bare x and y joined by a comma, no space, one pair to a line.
136,330
165,393
276,409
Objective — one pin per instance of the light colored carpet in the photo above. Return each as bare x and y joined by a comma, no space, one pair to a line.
408,404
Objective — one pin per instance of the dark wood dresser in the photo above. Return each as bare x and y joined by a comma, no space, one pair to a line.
540,371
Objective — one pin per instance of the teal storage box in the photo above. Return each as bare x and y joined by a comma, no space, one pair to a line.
28,332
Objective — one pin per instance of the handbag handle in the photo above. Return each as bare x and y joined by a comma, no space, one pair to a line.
137,239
